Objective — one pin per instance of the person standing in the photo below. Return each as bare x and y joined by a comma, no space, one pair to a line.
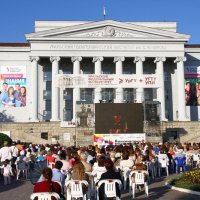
7,172
5,152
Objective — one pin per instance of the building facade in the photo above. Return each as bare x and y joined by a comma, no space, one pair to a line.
67,62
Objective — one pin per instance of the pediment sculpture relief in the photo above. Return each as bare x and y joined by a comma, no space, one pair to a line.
107,31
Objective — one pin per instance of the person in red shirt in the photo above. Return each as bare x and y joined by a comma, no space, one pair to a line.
47,185
49,157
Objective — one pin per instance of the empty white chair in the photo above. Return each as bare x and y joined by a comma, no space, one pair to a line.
44,196
163,163
74,189
138,180
196,159
109,188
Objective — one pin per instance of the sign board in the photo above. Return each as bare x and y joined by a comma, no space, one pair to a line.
105,80
116,139
66,137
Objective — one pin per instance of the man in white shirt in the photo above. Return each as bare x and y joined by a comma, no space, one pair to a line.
5,152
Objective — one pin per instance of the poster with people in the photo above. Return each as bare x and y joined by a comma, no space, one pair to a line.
12,86
192,85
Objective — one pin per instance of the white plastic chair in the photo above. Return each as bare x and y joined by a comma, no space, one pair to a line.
125,175
163,163
75,190
150,168
44,196
109,188
91,189
196,159
139,180
22,167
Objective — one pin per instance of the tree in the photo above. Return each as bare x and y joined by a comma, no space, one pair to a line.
3,138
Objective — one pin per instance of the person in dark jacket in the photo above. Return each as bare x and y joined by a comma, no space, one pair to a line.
110,174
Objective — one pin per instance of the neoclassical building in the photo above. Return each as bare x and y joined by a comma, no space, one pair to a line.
67,62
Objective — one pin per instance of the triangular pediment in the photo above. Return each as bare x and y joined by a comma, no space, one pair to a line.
106,30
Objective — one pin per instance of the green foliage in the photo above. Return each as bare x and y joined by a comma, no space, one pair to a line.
3,138
190,180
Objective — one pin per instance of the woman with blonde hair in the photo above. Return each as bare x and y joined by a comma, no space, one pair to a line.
78,173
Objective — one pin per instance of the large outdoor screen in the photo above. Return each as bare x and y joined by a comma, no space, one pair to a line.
118,118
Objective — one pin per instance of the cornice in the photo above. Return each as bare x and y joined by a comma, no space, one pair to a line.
93,25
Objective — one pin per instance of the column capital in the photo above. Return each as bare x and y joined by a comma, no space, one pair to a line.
160,59
180,59
34,58
119,58
76,58
54,58
137,59
97,58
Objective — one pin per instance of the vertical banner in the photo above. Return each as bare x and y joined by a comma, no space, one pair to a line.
192,85
12,86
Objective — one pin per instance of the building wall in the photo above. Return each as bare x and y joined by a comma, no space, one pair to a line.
31,132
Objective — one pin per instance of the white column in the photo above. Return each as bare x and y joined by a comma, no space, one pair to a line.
181,88
54,89
97,70
76,91
139,71
161,90
34,87
119,71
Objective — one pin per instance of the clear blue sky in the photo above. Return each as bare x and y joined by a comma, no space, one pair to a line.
17,16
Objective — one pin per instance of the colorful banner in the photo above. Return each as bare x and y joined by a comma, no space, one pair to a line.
116,139
105,80
12,86
192,85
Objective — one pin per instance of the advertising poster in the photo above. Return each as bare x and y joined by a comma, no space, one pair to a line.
13,86
192,85
105,80
116,139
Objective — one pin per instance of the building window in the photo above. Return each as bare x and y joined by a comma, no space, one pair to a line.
44,135
129,95
87,95
47,76
108,94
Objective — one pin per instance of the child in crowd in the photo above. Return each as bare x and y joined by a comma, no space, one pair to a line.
7,172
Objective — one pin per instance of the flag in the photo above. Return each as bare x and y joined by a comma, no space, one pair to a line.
104,12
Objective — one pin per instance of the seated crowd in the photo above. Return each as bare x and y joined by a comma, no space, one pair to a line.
82,163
